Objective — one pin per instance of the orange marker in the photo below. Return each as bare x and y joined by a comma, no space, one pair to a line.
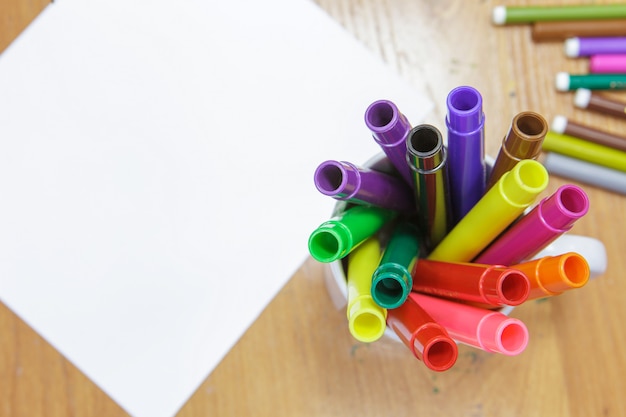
551,275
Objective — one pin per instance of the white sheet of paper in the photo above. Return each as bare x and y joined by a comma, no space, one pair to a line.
156,163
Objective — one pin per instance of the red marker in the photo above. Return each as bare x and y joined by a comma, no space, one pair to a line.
427,339
490,284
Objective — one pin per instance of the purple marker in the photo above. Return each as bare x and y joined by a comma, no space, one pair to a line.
466,149
345,181
553,216
577,47
389,128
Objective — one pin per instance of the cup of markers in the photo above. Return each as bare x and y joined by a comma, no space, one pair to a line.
432,244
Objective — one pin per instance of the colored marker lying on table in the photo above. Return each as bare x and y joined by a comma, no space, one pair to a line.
586,46
585,150
346,181
607,64
489,284
567,82
428,340
553,216
366,319
465,122
392,281
426,157
561,30
496,210
561,124
552,275
527,14
485,329
389,129
587,99
523,141
336,237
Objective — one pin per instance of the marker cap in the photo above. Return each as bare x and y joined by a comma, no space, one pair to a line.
561,273
391,284
502,334
566,205
524,182
335,178
465,110
331,241
504,286
388,126
432,346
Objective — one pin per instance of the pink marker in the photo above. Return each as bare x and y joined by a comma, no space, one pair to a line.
485,329
553,216
607,64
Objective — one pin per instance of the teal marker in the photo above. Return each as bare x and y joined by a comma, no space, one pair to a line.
568,82
392,280
335,238
528,14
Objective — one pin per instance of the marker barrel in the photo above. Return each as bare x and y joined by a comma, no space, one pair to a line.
392,280
587,99
568,82
587,46
562,125
553,216
343,180
552,275
523,141
336,237
561,30
426,157
389,129
607,64
465,122
495,211
366,319
530,14
585,150
489,284
485,329
428,340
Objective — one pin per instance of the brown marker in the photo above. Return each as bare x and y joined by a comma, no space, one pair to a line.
586,99
560,124
561,30
523,141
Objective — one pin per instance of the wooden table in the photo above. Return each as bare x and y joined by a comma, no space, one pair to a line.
298,358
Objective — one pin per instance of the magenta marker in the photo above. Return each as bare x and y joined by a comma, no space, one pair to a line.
587,46
553,216
345,181
465,121
390,128
607,64
485,329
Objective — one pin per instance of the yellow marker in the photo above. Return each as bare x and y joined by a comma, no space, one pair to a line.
585,150
497,209
366,319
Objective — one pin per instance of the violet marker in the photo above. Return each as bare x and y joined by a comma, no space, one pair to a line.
587,46
553,216
467,173
343,180
389,128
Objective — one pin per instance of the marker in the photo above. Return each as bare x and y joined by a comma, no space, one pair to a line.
484,329
426,156
467,173
561,124
527,14
585,172
553,216
586,46
498,208
552,275
607,64
585,150
343,180
592,249
392,280
568,82
561,30
366,319
427,339
336,237
389,129
489,284
587,99
523,141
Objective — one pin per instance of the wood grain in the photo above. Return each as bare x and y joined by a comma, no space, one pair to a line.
298,358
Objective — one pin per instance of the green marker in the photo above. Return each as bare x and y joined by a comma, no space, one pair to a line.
392,280
335,238
568,82
528,14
